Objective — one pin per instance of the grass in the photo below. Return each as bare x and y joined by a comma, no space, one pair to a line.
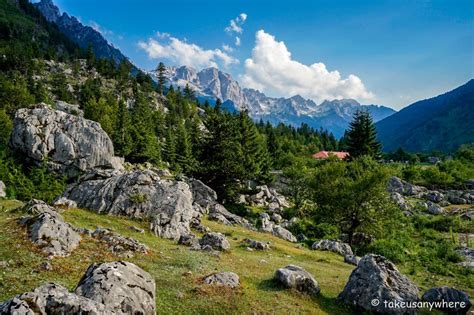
178,291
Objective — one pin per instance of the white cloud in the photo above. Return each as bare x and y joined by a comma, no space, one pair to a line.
272,70
100,29
184,53
237,41
235,25
227,48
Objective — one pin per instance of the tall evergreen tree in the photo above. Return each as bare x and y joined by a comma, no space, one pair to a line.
122,138
184,154
362,136
161,69
251,146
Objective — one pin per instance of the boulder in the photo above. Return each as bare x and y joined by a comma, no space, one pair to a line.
258,245
400,201
468,254
377,279
276,218
52,299
283,233
400,186
189,240
72,109
434,196
35,206
215,240
118,244
449,295
64,203
168,204
351,259
266,224
434,208
203,195
294,277
219,213
122,286
69,144
468,215
49,231
3,190
335,246
227,279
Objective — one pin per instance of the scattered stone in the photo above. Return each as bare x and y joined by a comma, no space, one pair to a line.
294,277
447,295
335,246
376,278
400,201
227,279
468,254
47,266
434,208
118,244
203,195
68,144
3,190
434,196
351,259
283,233
400,186
49,231
64,203
216,241
276,218
265,197
121,286
137,194
189,240
468,215
253,244
219,213
301,238
52,299
35,206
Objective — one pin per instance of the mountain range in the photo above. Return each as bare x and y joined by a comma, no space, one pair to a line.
440,123
212,83
77,32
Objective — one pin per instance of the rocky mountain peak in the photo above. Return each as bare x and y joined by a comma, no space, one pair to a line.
49,10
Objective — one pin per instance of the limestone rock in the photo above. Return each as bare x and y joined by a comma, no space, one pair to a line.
434,196
65,203
283,233
118,244
49,231
400,186
351,259
294,277
122,286
220,214
434,208
72,109
227,279
446,294
203,195
215,240
168,204
468,254
3,190
258,245
376,278
69,144
335,246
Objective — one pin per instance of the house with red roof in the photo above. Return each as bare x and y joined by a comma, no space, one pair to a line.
327,154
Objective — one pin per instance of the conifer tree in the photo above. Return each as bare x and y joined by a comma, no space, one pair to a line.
362,136
169,150
161,69
251,146
122,138
184,154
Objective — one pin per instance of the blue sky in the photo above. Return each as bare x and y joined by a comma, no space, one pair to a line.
385,52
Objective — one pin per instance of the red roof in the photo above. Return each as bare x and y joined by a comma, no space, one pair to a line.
326,154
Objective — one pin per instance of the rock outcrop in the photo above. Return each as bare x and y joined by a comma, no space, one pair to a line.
111,288
376,278
397,185
118,244
168,204
258,245
48,230
468,254
449,295
294,277
69,144
265,197
219,213
123,287
227,279
269,226
351,259
334,246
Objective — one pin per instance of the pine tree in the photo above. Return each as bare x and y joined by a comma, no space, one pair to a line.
189,93
362,136
90,56
161,78
122,138
169,150
184,154
251,146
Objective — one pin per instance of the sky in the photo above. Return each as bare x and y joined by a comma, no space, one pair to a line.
391,53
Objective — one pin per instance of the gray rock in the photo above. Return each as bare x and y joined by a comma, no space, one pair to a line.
137,229
468,215
434,196
203,195
189,240
259,245
3,190
447,295
400,201
49,231
122,286
215,240
168,204
276,218
376,278
266,224
52,299
69,144
35,206
351,259
468,254
400,186
118,244
283,233
72,109
227,279
294,277
65,203
434,208
219,213
335,246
